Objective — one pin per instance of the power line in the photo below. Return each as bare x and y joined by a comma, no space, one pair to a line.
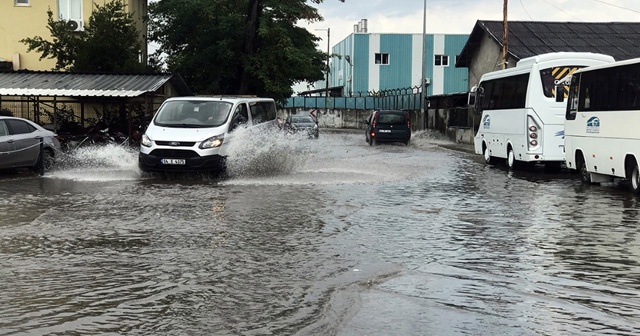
562,10
525,10
617,6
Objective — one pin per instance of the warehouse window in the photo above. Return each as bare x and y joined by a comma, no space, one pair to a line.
441,60
382,58
22,2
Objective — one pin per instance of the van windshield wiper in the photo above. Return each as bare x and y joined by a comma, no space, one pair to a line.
183,125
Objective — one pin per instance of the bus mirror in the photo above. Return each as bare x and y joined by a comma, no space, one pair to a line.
471,100
560,91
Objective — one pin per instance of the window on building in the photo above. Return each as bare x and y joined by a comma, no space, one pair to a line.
441,60
21,2
70,10
382,58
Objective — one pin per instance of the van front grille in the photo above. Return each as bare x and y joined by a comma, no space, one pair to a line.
175,143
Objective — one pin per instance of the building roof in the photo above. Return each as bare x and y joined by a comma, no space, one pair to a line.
529,38
66,84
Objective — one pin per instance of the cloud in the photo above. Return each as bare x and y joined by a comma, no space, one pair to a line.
459,16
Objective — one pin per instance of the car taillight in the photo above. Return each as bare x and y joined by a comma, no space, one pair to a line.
375,119
408,120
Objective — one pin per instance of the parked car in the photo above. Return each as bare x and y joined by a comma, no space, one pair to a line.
302,123
20,144
388,126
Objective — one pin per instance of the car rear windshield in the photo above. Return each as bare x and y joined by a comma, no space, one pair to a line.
391,118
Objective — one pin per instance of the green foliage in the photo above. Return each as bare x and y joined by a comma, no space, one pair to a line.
109,43
238,46
112,41
64,47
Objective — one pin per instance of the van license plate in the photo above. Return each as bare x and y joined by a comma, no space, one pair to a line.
384,131
173,161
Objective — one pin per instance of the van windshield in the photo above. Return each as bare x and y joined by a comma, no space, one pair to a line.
193,113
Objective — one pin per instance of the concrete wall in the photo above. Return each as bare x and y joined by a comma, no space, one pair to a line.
487,58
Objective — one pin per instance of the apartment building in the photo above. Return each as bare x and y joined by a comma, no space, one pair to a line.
20,19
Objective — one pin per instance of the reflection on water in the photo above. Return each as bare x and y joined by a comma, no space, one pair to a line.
339,239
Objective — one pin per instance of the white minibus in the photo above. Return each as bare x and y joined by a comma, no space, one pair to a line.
602,126
521,120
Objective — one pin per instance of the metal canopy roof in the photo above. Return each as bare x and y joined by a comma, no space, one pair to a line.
65,84
529,38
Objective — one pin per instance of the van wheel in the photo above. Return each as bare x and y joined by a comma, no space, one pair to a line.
585,176
373,142
406,143
487,156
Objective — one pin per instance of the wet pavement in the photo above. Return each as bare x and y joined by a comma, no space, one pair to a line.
317,237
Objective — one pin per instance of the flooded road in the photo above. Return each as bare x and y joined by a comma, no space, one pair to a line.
317,237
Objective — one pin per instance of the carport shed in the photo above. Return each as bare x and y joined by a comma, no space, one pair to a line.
55,97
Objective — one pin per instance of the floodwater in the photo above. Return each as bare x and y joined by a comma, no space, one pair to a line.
316,237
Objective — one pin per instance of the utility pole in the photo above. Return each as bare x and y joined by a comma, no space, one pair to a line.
423,87
505,35
326,87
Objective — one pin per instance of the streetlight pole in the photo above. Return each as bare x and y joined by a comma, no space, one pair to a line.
423,79
326,84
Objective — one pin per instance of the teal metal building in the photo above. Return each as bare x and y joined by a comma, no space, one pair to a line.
370,63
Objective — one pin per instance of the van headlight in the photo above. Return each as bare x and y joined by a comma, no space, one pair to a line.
212,142
145,141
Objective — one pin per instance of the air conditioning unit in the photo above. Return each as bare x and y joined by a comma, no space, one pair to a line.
75,25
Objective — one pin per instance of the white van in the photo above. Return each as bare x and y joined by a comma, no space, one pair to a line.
192,133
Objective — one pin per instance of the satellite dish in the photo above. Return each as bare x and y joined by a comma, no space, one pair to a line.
72,24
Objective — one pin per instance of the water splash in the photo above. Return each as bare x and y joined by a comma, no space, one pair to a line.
429,138
97,163
258,152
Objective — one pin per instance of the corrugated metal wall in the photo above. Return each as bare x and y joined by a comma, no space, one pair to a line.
457,79
361,56
396,74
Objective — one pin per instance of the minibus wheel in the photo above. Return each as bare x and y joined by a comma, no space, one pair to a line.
511,159
487,156
585,176
635,179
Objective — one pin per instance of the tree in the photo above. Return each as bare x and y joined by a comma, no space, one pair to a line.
239,46
109,43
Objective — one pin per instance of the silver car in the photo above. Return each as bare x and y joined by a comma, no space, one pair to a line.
20,144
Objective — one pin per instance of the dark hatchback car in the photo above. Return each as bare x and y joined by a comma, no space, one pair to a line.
300,124
388,126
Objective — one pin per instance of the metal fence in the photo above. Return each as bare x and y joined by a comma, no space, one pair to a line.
391,99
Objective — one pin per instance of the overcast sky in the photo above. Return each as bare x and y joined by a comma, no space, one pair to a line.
459,16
